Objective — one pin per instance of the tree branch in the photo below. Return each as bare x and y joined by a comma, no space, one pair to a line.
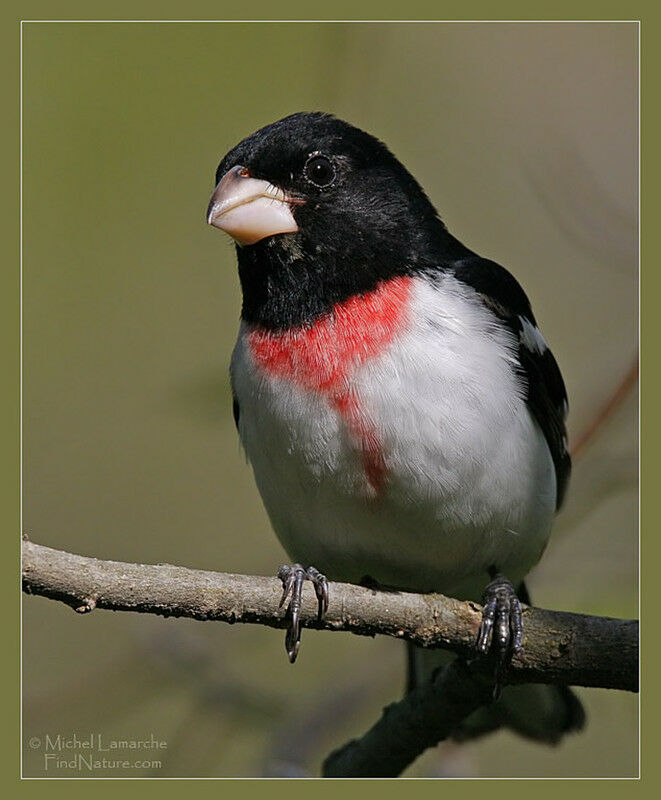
425,717
559,647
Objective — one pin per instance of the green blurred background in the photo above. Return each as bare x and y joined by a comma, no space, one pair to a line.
525,137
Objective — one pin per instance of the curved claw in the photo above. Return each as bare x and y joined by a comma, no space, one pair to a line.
287,575
486,626
501,629
293,577
320,584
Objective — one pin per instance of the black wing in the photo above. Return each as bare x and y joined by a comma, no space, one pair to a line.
236,411
545,389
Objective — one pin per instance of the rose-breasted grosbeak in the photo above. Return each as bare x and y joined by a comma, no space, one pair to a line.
403,415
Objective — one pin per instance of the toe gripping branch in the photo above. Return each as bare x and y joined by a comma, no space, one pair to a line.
293,577
501,629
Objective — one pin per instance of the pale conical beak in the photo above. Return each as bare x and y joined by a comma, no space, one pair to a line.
250,209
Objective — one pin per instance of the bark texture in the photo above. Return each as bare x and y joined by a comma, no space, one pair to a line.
559,647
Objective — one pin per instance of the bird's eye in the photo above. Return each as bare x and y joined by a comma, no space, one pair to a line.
320,171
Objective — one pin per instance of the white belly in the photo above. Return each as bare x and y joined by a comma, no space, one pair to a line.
469,481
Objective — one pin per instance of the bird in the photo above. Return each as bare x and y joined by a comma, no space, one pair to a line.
402,413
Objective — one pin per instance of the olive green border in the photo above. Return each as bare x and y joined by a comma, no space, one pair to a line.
9,320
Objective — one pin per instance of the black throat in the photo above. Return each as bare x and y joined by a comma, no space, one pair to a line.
289,281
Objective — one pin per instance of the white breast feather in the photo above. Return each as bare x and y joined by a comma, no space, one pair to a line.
470,482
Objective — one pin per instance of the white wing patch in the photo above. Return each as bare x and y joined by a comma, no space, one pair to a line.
531,337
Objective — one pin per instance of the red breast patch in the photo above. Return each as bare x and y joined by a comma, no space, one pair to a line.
322,357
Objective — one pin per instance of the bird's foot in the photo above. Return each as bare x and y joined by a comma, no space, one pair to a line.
293,577
501,629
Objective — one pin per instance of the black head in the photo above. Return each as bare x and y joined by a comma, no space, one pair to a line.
360,218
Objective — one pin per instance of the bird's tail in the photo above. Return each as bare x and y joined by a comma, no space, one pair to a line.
544,713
